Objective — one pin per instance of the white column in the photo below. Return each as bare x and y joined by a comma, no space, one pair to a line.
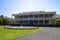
22,21
33,15
38,19
43,21
43,18
28,21
49,19
33,18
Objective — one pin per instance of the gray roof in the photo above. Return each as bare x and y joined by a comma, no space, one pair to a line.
37,12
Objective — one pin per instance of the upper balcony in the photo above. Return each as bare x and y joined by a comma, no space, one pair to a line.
34,17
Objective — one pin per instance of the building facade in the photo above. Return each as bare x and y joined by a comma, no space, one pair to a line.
35,18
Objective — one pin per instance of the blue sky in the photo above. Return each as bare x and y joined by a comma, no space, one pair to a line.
9,7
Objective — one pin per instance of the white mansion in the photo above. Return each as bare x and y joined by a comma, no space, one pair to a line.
35,18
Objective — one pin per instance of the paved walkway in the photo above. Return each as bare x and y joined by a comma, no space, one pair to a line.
49,33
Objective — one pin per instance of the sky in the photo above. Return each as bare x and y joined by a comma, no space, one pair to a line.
9,7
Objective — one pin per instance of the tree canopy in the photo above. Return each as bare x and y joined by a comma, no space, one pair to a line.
4,21
58,21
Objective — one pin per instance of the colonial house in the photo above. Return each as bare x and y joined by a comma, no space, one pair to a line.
39,18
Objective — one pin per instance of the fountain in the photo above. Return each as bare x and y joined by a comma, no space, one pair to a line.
20,27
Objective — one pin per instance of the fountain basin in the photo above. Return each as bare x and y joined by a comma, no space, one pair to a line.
19,27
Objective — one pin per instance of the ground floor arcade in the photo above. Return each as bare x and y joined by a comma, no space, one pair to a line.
33,22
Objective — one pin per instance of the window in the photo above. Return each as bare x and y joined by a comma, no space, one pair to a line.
40,21
25,16
36,16
40,15
25,21
30,16
47,21
21,16
46,15
35,21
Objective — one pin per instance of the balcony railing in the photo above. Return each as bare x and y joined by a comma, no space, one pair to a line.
35,18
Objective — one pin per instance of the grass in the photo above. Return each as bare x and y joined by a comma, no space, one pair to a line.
11,34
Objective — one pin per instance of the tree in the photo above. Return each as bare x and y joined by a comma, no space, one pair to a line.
58,21
4,21
1,16
1,21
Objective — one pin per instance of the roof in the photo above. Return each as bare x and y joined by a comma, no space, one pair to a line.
36,12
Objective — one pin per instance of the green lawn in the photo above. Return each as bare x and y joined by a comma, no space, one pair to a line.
12,34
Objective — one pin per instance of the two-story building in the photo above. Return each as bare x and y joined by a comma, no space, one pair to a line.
35,18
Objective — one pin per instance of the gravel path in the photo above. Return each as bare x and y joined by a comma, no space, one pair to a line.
49,33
